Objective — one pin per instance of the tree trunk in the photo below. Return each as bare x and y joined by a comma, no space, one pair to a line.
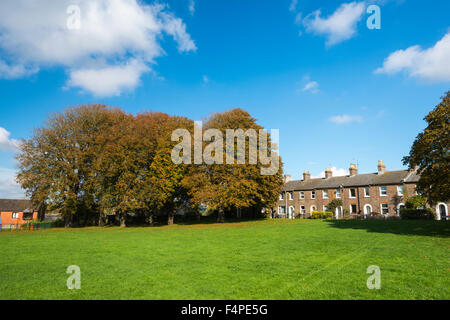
170,219
221,216
101,219
68,217
122,219
150,220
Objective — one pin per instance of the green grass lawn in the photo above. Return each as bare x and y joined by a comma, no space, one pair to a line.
278,259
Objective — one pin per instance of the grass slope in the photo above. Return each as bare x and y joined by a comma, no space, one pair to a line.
276,259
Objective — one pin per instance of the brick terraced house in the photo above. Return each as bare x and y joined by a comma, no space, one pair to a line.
382,193
16,212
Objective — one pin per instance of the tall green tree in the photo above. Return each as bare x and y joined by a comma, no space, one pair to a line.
430,154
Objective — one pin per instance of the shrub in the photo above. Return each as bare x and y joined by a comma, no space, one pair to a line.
416,202
417,214
321,215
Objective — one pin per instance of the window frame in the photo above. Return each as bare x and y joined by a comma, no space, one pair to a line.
313,195
381,193
291,195
15,215
303,210
367,194
398,191
351,208
302,195
350,193
338,193
325,192
381,208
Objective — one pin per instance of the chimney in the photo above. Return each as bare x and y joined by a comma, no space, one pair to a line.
306,175
287,178
328,173
353,170
381,167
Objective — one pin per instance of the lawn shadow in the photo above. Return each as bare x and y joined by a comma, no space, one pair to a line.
401,227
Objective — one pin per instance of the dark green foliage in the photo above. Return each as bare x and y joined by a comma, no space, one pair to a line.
417,214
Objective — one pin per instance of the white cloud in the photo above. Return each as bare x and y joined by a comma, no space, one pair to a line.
336,173
8,71
293,5
35,35
432,64
345,118
311,86
191,6
9,188
205,79
108,81
339,26
7,144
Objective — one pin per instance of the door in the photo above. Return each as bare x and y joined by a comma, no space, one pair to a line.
443,212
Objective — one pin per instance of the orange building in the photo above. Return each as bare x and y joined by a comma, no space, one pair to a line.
16,212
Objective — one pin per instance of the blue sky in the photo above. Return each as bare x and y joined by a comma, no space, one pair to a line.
339,92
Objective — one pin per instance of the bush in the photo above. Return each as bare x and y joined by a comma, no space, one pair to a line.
417,214
322,215
416,202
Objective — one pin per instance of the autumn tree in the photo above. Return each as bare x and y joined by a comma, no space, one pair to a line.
56,163
226,186
431,156
162,190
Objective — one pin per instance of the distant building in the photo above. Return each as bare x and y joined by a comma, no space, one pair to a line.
16,212
382,192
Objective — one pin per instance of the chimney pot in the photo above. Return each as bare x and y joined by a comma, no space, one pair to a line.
306,175
353,170
381,167
328,173
287,178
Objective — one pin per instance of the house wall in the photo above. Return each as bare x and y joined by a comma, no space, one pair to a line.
393,199
374,200
8,220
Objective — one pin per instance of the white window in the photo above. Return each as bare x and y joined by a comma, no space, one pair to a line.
281,196
281,209
385,208
291,197
383,191
325,208
313,194
353,208
302,209
325,194
352,193
338,193
400,190
15,215
302,194
367,192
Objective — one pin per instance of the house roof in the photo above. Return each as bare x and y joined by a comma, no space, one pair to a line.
16,205
359,180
